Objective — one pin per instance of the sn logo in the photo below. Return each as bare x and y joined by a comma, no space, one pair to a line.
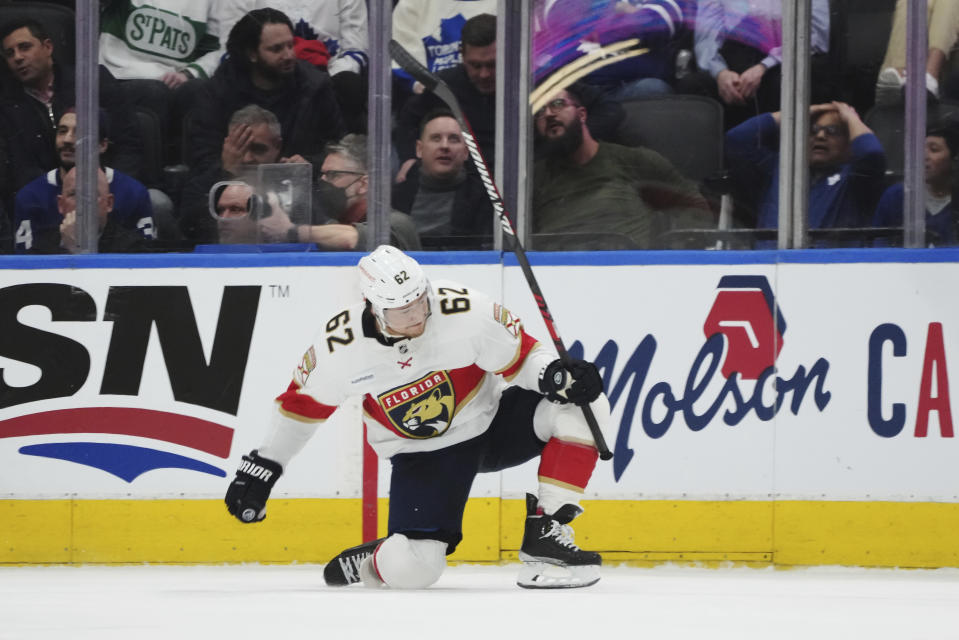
134,312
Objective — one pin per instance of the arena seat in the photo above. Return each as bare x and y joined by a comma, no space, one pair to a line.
688,131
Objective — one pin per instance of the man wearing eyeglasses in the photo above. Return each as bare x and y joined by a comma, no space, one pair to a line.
341,194
846,167
583,186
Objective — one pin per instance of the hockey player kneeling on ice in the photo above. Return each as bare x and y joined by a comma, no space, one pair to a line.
451,385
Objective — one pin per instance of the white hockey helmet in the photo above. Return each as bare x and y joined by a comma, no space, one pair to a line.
389,278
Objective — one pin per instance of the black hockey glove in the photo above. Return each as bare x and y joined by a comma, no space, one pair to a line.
246,497
577,381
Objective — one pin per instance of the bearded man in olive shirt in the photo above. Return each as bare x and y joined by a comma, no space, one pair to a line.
584,186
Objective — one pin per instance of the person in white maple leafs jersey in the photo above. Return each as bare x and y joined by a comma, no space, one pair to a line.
451,386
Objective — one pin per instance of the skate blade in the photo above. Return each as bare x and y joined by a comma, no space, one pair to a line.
543,575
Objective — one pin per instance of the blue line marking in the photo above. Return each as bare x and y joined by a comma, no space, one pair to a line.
259,258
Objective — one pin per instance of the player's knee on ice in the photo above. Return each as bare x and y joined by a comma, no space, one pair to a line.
402,563
567,422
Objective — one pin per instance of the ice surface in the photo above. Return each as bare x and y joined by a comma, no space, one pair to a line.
472,601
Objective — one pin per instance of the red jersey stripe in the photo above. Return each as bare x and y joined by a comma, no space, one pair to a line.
302,407
526,345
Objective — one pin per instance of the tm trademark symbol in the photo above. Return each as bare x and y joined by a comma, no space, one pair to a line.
279,291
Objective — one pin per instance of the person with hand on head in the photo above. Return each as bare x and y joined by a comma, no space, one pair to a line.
459,388
846,167
942,189
261,68
254,137
341,196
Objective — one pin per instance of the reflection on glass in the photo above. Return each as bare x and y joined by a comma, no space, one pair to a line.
263,207
942,18
235,208
583,185
435,184
624,53
442,193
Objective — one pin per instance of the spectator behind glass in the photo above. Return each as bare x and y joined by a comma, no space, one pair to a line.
115,235
156,49
567,29
846,168
430,30
473,82
38,218
38,95
443,192
253,138
234,223
261,68
331,35
943,25
738,46
6,193
942,214
581,185
342,193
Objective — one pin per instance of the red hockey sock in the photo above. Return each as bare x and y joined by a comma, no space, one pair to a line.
567,464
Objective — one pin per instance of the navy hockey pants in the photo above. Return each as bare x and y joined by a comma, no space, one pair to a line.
428,491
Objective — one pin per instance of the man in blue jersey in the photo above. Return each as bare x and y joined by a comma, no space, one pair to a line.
113,235
846,169
38,219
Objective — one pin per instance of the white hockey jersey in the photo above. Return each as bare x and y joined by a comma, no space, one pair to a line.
424,393
430,30
148,38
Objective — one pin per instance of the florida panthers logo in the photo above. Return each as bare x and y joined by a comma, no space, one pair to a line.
422,409
426,416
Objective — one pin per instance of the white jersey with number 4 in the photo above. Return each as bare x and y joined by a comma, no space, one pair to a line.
424,393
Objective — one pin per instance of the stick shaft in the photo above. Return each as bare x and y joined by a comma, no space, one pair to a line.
442,91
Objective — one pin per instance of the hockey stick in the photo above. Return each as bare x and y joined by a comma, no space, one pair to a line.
442,91
582,66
